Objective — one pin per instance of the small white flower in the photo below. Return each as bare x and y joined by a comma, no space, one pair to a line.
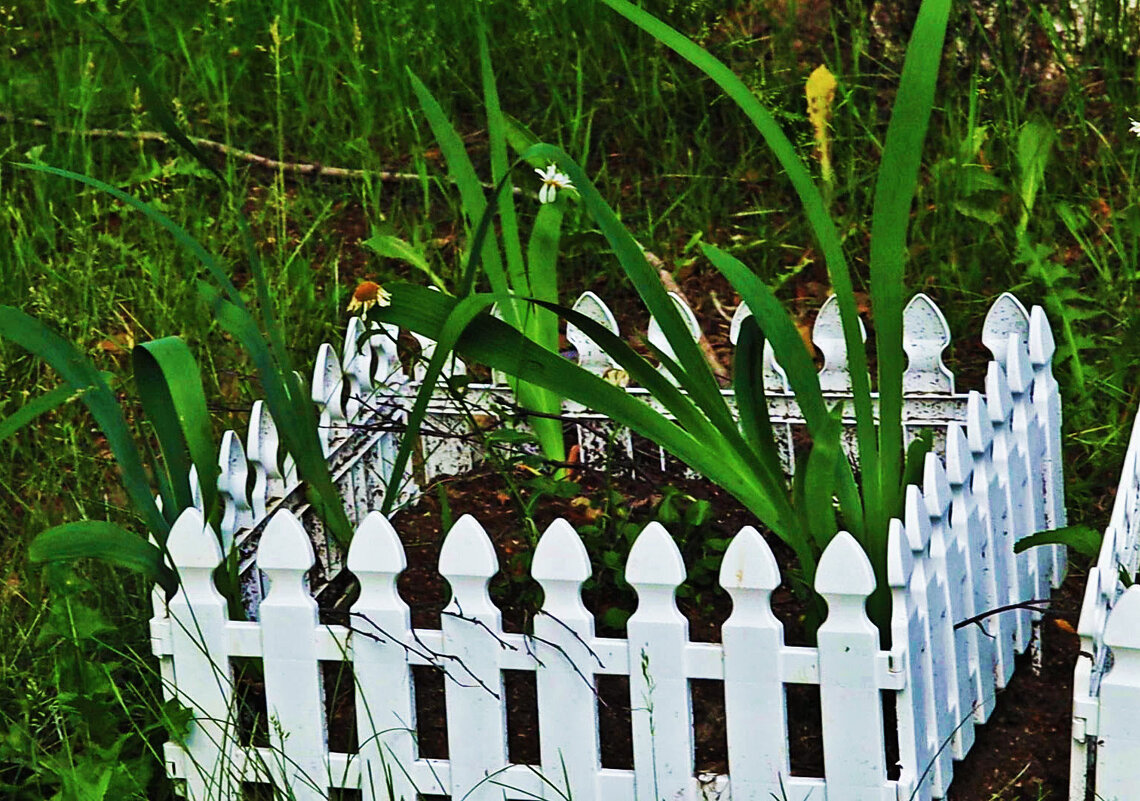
552,181
1134,128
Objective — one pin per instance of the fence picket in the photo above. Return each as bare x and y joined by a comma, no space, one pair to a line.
262,444
753,641
201,661
658,339
472,630
854,753
1047,402
357,364
827,334
591,356
1012,571
658,687
294,696
1006,316
237,512
990,503
328,384
914,703
948,561
968,530
381,628
567,702
926,334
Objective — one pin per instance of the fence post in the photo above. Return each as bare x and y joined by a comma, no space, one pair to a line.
658,687
294,696
199,652
476,721
753,641
1118,750
854,752
381,628
567,700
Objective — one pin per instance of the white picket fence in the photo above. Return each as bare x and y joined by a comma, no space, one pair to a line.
1106,682
951,558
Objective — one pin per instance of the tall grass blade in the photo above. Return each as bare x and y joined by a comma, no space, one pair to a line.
98,539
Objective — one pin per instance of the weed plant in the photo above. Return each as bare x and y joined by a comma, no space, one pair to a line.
333,90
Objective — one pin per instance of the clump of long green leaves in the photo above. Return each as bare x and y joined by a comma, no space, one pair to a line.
173,401
529,275
740,455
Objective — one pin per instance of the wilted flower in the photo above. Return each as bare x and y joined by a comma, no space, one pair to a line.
552,181
616,376
1134,127
367,295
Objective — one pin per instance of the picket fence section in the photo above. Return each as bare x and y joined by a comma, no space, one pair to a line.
1106,679
950,559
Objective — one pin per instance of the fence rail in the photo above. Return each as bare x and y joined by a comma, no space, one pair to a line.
950,559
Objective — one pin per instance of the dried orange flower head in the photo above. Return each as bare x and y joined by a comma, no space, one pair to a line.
367,295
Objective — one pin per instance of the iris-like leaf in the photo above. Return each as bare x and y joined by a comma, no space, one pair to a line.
98,539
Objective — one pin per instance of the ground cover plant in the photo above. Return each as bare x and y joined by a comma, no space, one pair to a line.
312,89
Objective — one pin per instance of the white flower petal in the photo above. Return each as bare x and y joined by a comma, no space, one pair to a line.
546,194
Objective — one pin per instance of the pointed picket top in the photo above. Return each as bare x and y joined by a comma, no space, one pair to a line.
741,314
775,379
1041,343
654,560
383,343
376,547
657,337
900,555
285,548
261,447
467,552
195,489
844,569
328,378
748,565
590,355
935,486
192,544
1018,370
979,429
560,555
917,521
959,461
926,334
1006,316
232,482
999,400
357,364
827,334
1122,633
376,557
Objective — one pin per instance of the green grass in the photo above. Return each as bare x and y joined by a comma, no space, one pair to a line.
673,157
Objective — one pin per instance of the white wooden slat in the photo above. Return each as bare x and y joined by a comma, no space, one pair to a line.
926,334
294,696
1118,738
328,384
262,442
1027,434
914,703
968,530
775,379
657,338
753,641
1012,571
928,596
948,562
567,701
827,334
1047,402
591,356
1006,316
1094,610
476,716
197,637
854,751
381,623
990,503
658,686
237,513
357,362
